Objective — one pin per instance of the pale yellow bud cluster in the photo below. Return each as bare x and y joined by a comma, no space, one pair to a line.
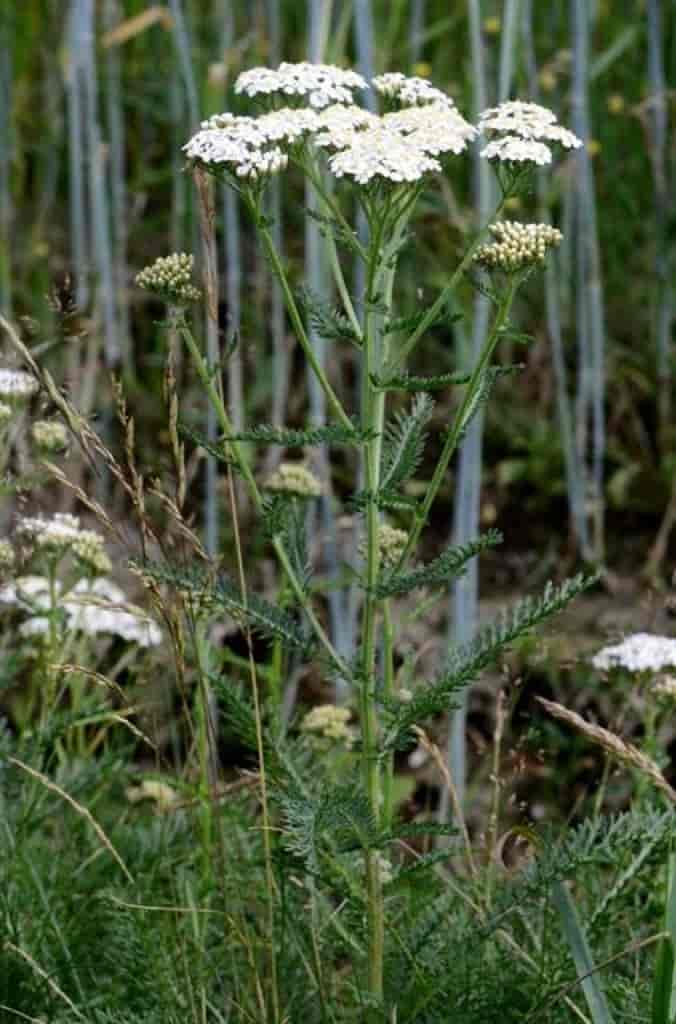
89,550
517,245
329,722
392,543
49,436
294,478
5,413
7,556
171,278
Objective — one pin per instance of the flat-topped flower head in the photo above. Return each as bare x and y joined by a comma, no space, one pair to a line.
170,277
382,155
391,545
409,92
294,479
337,125
238,145
639,652
17,386
320,85
528,121
49,436
513,149
435,128
517,245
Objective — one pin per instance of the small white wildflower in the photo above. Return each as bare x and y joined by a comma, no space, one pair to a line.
320,84
391,545
294,478
7,556
640,652
513,149
518,245
383,155
336,126
171,278
528,121
49,436
6,413
409,92
16,385
329,722
56,534
665,687
88,548
100,607
28,593
434,128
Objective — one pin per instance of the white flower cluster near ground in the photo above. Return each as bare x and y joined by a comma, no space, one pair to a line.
16,385
94,607
640,652
61,535
520,132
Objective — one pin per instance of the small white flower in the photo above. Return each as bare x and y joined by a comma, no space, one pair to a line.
49,436
330,722
100,607
434,128
640,652
295,479
238,146
16,385
6,413
336,126
513,149
517,245
171,278
382,154
410,92
528,121
320,84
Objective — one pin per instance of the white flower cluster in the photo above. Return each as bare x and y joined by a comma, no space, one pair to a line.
518,245
336,126
63,534
434,128
523,131
236,144
384,155
49,436
171,278
639,652
329,722
94,607
294,478
409,92
319,84
16,385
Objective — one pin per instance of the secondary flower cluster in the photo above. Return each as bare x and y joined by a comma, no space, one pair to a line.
16,385
93,607
639,652
391,545
329,722
49,436
63,535
171,278
294,479
518,245
319,84
520,132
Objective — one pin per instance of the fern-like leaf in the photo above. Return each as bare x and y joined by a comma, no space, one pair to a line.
220,592
409,324
403,443
328,321
407,382
449,564
468,662
483,392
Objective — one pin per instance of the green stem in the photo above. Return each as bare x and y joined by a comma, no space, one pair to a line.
297,321
459,424
388,693
204,747
444,295
243,465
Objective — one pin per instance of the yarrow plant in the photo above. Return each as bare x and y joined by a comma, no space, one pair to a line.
309,118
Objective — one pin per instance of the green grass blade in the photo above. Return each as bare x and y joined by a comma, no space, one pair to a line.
581,953
664,985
